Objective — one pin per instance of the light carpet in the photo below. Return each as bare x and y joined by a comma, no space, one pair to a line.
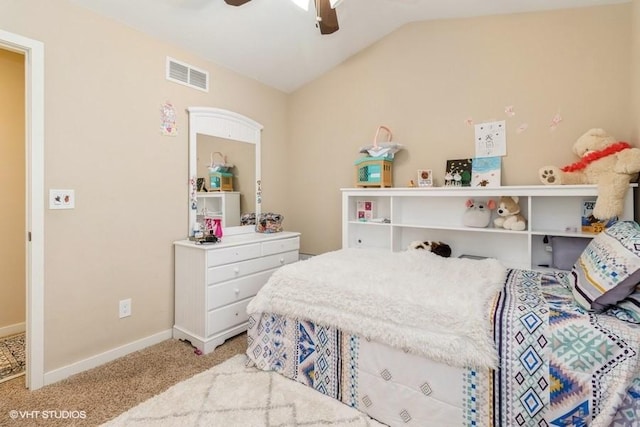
233,395
12,356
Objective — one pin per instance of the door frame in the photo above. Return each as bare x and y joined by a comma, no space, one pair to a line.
33,51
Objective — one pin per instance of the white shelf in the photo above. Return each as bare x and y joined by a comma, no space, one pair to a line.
436,214
220,204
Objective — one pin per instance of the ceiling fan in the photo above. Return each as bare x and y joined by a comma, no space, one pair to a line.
326,17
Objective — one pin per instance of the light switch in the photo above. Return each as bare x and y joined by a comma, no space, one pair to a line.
62,199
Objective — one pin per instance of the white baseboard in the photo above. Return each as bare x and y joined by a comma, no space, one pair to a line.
102,358
16,328
305,256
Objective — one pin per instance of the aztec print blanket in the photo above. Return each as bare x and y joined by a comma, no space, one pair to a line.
559,364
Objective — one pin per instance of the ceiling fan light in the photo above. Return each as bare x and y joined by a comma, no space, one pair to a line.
302,4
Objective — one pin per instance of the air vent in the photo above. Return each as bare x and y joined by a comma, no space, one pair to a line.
185,74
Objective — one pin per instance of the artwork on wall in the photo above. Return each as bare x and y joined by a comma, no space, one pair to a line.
491,139
425,178
458,173
485,171
168,120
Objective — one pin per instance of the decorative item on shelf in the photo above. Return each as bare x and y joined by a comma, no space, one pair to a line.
486,171
478,213
458,173
425,178
591,224
605,161
200,185
509,216
438,248
365,210
220,176
375,169
269,223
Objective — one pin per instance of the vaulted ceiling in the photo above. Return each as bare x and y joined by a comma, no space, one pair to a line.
276,41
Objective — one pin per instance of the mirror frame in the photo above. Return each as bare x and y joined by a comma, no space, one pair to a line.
229,125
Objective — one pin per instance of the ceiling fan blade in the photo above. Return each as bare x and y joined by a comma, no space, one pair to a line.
327,17
236,2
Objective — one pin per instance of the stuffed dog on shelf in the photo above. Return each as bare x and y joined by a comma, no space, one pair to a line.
437,248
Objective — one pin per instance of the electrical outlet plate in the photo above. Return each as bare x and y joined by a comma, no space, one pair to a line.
125,308
62,199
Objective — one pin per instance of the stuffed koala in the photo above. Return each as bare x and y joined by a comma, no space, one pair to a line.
604,161
437,248
509,216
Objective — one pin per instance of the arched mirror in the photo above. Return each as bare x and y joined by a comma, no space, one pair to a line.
219,136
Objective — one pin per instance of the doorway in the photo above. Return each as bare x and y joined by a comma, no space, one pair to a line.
12,226
33,52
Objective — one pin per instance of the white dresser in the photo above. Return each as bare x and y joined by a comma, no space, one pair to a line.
214,283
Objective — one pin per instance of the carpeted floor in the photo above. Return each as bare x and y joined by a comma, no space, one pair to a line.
233,395
12,356
107,391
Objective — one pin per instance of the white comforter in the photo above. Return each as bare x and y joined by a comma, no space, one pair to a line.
414,300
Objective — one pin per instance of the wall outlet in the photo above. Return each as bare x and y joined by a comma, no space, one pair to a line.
62,199
125,308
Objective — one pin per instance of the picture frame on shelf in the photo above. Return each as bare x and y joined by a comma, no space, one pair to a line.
200,185
425,178
458,173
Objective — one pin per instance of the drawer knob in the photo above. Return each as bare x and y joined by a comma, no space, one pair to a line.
237,291
281,260
236,270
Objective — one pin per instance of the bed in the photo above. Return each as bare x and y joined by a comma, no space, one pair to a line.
411,338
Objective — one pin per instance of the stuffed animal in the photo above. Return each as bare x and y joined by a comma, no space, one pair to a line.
509,216
437,248
478,213
610,164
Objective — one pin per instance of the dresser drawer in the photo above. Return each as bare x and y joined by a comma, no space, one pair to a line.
244,268
236,290
282,245
227,317
233,254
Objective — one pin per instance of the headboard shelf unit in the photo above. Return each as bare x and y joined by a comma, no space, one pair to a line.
398,216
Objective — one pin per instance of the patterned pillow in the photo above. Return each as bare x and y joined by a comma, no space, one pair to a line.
631,306
609,268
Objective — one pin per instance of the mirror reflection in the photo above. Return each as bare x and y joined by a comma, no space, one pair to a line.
241,155
212,131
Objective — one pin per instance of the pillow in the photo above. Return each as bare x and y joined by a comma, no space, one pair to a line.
566,251
608,269
631,306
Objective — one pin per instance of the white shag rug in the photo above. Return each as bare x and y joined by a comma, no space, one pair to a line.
232,395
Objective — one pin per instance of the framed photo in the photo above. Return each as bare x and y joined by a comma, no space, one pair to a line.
425,178
200,185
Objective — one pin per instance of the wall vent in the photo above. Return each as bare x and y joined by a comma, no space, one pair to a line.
185,74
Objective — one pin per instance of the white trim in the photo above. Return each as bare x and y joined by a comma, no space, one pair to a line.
102,358
34,115
16,328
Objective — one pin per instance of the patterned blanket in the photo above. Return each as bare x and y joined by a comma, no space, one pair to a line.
559,364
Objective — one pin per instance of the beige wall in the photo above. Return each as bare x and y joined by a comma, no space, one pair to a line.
427,78
12,188
104,86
